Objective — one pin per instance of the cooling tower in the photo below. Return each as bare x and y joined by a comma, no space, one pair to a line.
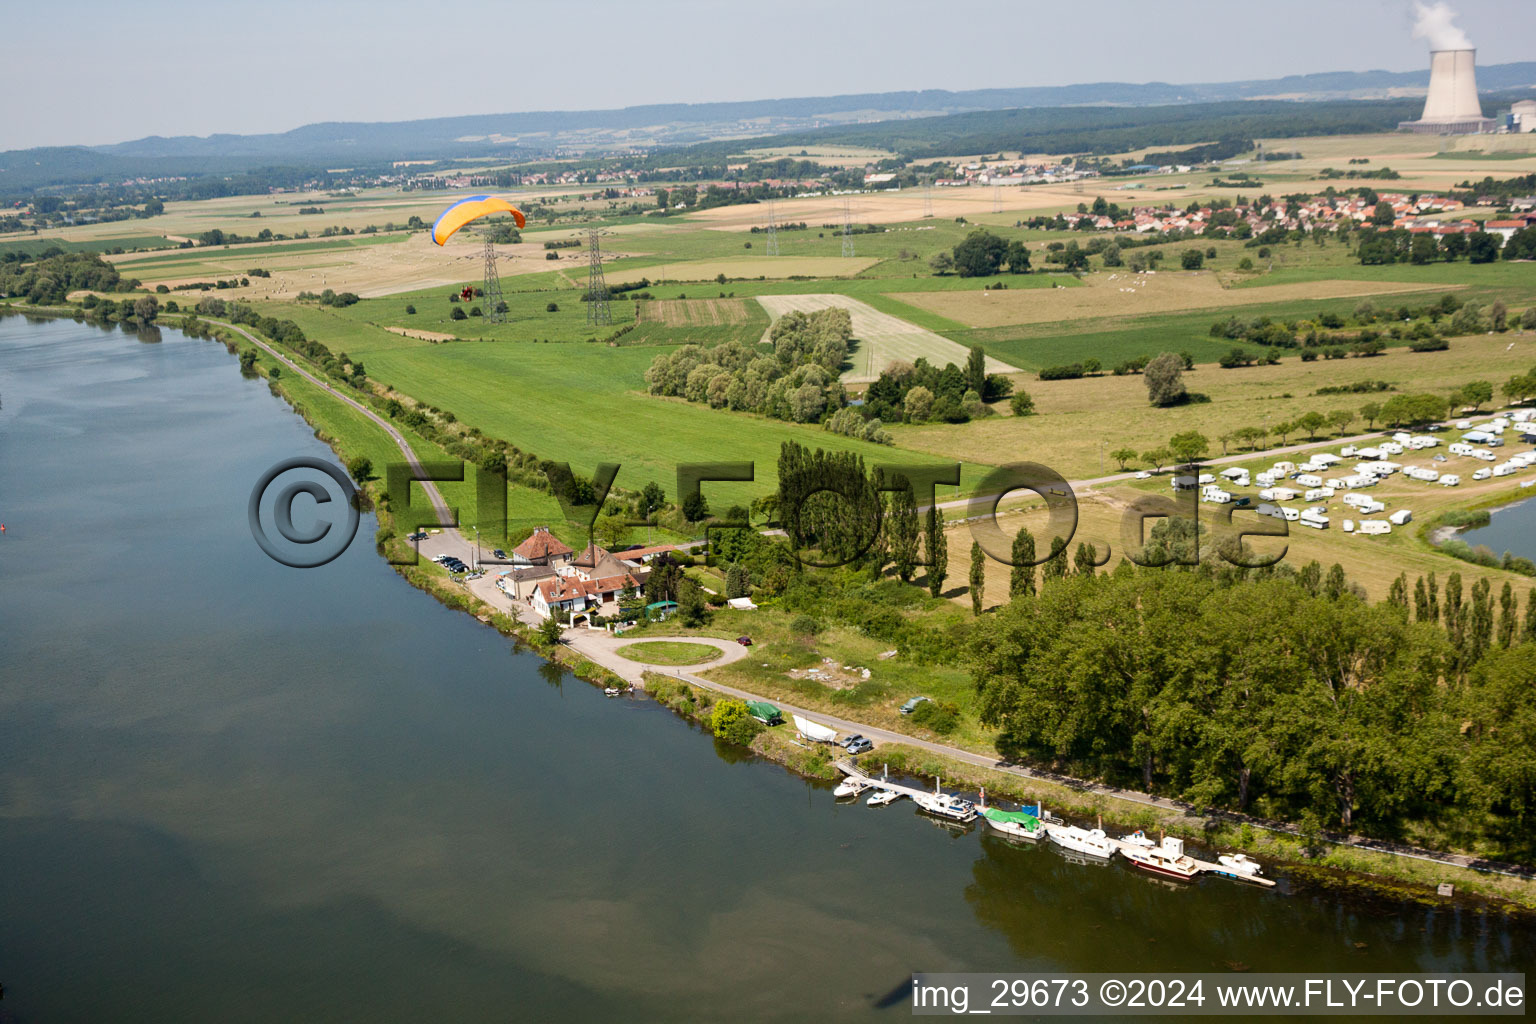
1452,106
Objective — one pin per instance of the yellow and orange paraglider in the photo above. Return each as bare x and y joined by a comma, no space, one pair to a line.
468,209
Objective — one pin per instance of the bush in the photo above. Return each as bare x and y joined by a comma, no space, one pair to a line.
804,625
458,314
1022,404
937,715
1070,371
731,721
553,307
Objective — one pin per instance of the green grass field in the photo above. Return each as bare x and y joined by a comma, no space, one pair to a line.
583,404
669,652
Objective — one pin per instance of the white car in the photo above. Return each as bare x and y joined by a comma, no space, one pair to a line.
1143,475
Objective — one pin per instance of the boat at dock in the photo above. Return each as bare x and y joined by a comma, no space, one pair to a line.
1089,842
1167,860
850,786
1020,824
1241,867
883,797
945,805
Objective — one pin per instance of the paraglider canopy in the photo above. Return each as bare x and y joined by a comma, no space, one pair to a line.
472,208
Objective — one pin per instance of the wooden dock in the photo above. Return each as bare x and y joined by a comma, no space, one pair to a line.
1205,867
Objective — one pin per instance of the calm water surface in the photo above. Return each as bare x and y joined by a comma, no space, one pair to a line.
1511,528
231,790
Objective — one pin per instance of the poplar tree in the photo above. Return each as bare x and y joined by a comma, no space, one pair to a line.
1021,580
1056,565
903,528
1398,594
1420,602
938,551
1530,617
1334,586
1507,621
1083,560
978,576
1434,599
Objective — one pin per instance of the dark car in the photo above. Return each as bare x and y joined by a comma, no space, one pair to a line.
498,553
745,641
911,705
859,745
418,535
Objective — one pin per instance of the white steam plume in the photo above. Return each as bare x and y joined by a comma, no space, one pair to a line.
1436,23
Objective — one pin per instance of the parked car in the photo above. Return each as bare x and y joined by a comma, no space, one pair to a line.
1143,475
498,553
418,535
745,641
859,745
1439,458
911,705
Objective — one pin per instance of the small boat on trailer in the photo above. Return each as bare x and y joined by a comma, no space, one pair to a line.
946,805
1020,824
1088,842
1167,860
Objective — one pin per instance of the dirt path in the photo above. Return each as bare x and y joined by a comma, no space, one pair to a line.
882,338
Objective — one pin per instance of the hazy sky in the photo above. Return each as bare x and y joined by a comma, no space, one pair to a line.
98,71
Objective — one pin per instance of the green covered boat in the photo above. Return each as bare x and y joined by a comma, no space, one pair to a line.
1014,824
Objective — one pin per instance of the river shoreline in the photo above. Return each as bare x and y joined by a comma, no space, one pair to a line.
1375,871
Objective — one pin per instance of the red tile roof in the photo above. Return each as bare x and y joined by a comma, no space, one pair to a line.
542,544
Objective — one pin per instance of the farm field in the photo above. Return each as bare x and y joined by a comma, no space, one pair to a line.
882,338
1120,294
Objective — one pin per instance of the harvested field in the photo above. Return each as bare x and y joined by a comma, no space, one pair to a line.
1127,294
895,206
882,338
772,267
693,312
406,332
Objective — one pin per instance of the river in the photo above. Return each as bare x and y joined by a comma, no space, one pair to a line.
232,790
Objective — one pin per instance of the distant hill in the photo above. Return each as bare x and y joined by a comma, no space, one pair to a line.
680,124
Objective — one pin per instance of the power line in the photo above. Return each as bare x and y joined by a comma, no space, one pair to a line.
847,229
927,197
997,199
597,288
773,230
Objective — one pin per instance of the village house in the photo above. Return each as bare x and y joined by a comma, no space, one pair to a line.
542,548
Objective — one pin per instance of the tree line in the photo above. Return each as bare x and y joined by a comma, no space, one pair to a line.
1336,712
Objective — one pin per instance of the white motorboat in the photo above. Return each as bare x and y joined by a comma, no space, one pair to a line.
1090,842
1240,864
946,805
850,787
1137,838
1167,860
883,797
